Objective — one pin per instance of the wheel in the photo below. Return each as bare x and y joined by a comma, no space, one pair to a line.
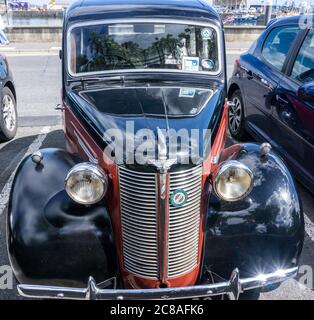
8,115
236,117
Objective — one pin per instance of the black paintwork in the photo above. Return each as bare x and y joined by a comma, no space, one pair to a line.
262,232
51,239
117,9
171,111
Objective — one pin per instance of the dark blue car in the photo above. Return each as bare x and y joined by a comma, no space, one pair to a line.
272,88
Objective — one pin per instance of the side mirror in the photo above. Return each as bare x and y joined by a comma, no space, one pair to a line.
306,92
60,54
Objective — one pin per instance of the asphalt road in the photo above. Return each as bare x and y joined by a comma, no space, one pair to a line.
38,81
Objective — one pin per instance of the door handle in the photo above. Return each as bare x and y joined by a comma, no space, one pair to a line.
282,100
266,83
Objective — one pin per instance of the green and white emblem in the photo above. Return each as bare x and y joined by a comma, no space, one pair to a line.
178,198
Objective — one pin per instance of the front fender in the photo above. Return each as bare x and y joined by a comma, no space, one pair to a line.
262,232
51,239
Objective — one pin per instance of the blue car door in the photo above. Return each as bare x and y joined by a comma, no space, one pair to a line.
263,74
293,117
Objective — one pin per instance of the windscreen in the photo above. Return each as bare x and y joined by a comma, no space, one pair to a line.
135,46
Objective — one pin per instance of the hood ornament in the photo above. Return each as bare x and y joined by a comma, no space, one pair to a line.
163,164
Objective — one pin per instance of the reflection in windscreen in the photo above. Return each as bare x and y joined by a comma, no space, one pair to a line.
150,101
143,46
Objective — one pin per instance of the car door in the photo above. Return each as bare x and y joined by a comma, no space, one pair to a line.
293,118
263,75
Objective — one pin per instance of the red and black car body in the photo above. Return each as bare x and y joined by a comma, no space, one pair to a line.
135,242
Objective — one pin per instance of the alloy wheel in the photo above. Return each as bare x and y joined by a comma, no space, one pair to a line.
8,112
235,115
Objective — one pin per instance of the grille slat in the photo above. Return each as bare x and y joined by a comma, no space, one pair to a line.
138,199
139,209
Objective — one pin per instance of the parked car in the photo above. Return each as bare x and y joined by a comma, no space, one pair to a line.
272,88
8,110
18,5
121,209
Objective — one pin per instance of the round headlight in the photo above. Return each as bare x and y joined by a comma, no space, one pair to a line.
233,181
86,183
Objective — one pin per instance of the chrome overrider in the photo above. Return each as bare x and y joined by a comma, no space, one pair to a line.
232,288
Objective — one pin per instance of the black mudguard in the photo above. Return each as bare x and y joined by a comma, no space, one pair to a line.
51,239
262,232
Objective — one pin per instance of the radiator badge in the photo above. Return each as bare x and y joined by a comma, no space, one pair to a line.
178,198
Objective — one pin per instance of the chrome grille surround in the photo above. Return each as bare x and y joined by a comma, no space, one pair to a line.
138,201
139,222
184,222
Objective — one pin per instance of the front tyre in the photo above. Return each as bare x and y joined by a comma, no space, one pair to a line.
8,115
236,121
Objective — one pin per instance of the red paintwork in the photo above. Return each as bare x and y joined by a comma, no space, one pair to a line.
73,127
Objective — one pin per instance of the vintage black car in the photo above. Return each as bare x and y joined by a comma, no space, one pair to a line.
122,213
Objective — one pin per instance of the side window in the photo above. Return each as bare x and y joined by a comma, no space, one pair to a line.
278,44
303,69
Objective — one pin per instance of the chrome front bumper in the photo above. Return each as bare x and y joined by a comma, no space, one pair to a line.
232,288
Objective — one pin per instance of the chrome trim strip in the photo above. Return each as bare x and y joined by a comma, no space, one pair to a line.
232,288
90,157
163,193
143,20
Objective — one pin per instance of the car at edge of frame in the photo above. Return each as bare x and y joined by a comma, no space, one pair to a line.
272,89
8,110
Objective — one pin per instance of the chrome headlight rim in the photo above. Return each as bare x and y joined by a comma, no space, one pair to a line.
223,168
95,170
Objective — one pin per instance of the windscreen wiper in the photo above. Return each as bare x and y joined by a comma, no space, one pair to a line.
84,80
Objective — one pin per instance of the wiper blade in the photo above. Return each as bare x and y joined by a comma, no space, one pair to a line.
84,80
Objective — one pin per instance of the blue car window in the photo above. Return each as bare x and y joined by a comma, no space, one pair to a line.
303,69
278,44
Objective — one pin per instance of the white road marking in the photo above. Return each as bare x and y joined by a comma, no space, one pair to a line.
34,146
7,48
309,227
55,48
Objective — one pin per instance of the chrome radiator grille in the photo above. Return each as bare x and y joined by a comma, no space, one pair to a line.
184,222
138,198
139,219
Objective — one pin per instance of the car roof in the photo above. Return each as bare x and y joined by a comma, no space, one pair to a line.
86,10
307,20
